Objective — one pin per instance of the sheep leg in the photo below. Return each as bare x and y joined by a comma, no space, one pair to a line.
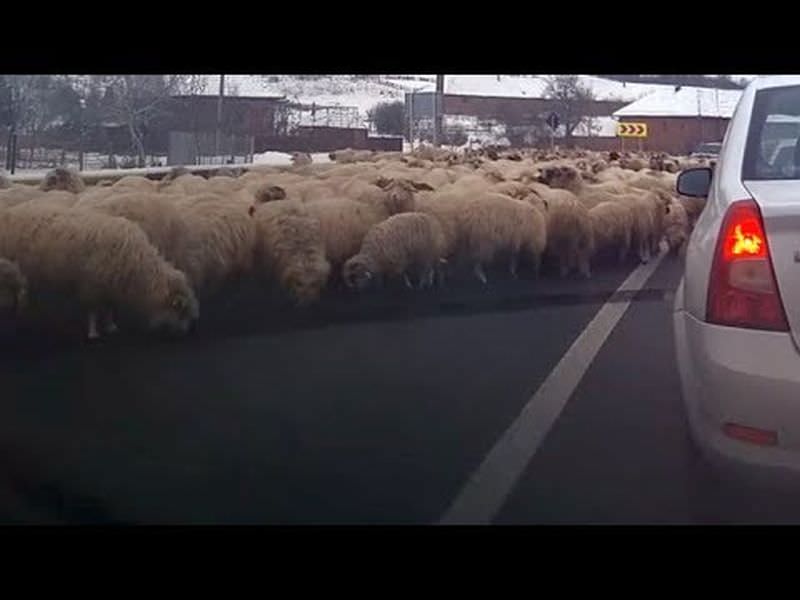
563,269
537,265
513,266
585,269
478,270
440,274
109,326
93,333
407,281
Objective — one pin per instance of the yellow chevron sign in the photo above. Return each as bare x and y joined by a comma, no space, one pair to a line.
635,130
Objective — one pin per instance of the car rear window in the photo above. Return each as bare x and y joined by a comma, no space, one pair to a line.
773,142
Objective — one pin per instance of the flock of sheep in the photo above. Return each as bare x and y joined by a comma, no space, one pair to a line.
141,252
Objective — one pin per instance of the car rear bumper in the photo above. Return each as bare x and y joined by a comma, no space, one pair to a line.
745,377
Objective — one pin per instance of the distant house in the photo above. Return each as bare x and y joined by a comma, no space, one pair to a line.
682,117
520,101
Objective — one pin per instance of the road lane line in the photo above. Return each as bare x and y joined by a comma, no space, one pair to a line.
488,488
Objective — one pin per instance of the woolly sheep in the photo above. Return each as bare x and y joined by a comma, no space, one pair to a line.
107,261
290,246
18,194
570,237
344,223
612,225
676,228
135,182
220,240
62,178
5,182
404,245
494,224
159,218
300,159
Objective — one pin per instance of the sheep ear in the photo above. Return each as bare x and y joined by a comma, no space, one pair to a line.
252,210
421,186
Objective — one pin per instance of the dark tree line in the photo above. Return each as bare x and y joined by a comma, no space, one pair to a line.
71,111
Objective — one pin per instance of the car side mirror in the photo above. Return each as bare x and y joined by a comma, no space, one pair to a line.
695,182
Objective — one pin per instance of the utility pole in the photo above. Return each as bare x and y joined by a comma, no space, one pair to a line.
437,109
219,114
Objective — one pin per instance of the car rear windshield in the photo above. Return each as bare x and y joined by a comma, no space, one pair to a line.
773,142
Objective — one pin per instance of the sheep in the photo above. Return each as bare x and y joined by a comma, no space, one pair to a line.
225,172
17,195
135,182
300,159
266,192
188,184
5,182
62,178
694,208
223,185
55,198
446,208
612,224
160,219
493,223
344,223
290,246
402,245
648,211
107,261
646,232
174,173
570,237
676,228
220,240
13,288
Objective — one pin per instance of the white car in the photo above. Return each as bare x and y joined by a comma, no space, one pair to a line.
737,309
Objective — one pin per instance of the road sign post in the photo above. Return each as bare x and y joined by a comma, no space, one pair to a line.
553,122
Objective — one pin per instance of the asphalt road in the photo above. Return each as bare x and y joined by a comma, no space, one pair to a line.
369,410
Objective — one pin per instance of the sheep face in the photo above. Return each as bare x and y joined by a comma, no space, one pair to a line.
357,273
560,177
61,178
400,196
305,281
268,193
180,308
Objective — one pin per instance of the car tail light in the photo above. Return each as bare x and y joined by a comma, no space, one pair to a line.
743,291
751,435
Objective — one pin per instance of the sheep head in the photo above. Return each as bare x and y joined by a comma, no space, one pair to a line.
178,309
564,177
400,196
62,178
358,272
268,193
306,277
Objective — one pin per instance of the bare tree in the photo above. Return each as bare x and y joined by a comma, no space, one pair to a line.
572,101
137,99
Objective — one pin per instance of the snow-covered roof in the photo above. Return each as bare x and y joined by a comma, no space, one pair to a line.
534,86
686,102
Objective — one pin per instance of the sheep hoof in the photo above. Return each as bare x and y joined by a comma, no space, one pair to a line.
407,281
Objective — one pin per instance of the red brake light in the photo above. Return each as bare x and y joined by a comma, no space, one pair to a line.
742,289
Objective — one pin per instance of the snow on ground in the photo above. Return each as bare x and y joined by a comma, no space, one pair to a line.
280,159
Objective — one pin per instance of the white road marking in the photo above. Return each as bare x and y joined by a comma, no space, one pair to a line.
490,485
